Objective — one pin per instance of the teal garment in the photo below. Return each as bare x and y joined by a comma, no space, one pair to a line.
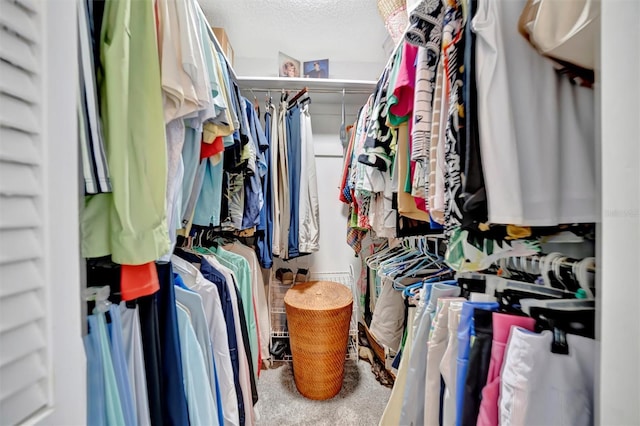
202,405
240,267
113,406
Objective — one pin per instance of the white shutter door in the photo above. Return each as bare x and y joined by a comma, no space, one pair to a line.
24,364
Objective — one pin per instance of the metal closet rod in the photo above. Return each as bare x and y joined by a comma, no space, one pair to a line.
338,91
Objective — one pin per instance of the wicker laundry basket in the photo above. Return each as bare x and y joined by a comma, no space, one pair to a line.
318,317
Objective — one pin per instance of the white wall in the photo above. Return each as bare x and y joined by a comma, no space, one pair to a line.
63,255
619,254
335,254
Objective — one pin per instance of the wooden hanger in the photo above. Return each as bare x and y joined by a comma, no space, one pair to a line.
298,95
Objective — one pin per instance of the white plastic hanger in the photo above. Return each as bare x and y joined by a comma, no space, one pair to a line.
100,295
563,305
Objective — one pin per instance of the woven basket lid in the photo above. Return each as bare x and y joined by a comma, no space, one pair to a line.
318,295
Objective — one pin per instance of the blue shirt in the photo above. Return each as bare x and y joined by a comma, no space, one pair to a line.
202,407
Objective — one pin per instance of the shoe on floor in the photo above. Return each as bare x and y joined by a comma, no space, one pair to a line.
285,276
302,275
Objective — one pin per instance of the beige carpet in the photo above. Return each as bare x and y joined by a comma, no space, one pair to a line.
360,402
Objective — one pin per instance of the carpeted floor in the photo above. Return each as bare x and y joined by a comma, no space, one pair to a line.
360,402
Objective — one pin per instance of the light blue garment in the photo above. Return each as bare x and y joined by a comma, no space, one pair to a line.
209,203
133,351
195,193
225,373
465,331
120,367
200,400
113,406
193,302
96,402
414,394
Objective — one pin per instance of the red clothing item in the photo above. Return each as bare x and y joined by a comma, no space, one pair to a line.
405,84
210,149
138,280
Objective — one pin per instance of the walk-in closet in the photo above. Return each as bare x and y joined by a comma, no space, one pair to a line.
287,212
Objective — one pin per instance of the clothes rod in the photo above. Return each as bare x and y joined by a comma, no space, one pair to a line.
309,90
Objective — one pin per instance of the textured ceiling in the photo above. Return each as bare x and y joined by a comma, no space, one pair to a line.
341,30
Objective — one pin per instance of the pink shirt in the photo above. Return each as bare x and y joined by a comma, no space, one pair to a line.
502,323
406,82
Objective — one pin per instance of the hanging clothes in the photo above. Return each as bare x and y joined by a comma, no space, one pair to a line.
261,308
94,163
414,392
130,224
134,355
309,212
265,229
547,152
222,337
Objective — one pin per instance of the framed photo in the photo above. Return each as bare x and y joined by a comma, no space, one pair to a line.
288,66
317,69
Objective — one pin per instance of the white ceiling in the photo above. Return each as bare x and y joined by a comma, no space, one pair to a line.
344,31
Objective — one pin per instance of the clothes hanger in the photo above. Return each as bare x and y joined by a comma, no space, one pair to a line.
580,322
427,262
502,284
373,261
545,267
401,259
293,100
304,101
256,104
410,264
432,278
559,304
99,295
581,273
383,255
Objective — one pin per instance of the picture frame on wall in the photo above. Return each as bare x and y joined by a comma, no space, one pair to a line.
316,69
288,66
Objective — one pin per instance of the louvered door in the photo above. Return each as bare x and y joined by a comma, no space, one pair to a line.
24,358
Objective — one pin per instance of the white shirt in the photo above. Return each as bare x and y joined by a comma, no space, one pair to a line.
179,93
537,132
